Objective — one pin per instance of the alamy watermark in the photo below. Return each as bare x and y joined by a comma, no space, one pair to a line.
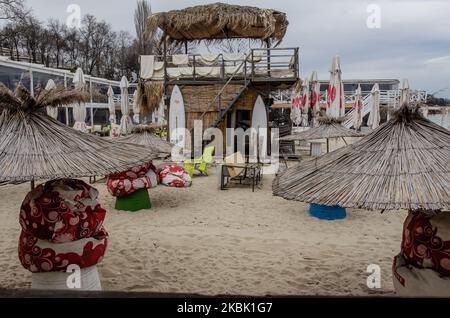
374,279
255,143
73,281
374,19
73,20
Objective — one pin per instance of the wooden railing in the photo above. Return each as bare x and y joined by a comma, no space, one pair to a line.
257,64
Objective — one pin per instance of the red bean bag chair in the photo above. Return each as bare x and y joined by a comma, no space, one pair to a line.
127,182
175,176
423,266
62,224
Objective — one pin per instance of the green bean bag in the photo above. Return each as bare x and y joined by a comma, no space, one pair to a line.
139,200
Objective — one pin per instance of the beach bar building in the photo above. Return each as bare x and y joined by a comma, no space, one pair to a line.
219,88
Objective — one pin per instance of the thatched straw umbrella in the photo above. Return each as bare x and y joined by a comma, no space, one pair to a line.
219,21
403,164
61,221
328,128
35,146
144,135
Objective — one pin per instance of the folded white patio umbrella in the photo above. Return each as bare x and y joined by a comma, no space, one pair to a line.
357,113
111,106
125,122
79,110
335,97
305,102
296,113
374,116
51,111
315,97
136,110
404,92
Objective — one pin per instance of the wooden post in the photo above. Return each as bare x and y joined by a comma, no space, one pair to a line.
165,55
328,145
165,84
268,57
185,47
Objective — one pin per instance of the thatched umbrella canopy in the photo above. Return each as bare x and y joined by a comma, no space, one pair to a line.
35,146
219,21
143,135
329,127
403,164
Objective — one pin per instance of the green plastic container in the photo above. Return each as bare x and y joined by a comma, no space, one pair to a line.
139,200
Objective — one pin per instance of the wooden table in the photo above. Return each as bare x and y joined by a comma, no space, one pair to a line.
254,168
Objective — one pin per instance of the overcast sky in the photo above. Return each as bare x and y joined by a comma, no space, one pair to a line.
413,41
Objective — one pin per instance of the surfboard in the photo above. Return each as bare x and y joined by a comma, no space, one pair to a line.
259,123
176,117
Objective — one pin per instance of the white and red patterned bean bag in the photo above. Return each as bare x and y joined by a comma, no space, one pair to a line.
62,224
423,266
175,176
127,182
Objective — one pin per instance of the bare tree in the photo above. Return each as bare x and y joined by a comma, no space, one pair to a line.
141,14
12,10
56,32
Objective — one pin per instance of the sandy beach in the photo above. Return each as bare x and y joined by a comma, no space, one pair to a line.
207,241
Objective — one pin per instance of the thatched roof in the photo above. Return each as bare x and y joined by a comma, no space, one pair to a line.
149,95
219,21
144,135
328,128
403,164
35,146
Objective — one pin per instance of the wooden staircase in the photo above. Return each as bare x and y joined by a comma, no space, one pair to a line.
230,104
224,97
